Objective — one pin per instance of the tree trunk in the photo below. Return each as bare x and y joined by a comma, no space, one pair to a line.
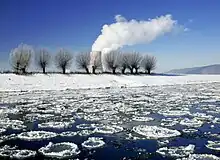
131,70
87,70
44,70
136,70
23,70
64,70
113,70
123,70
148,71
93,69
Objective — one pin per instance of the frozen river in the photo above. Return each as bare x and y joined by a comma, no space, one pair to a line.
154,122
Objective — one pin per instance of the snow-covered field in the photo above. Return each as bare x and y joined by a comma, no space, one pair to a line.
110,117
12,82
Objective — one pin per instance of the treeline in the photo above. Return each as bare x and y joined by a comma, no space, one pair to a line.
114,61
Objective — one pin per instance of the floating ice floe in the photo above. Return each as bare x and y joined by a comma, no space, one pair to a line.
105,129
191,122
142,119
93,142
60,150
163,142
168,122
7,151
68,134
201,157
173,112
23,154
85,132
216,121
190,130
2,130
176,152
36,135
87,126
202,116
55,125
154,132
13,124
213,145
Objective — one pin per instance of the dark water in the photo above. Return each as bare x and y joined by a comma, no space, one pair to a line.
114,107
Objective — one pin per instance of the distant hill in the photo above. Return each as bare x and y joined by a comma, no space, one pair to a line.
211,69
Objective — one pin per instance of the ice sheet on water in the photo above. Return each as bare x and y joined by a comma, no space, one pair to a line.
7,151
213,145
2,130
167,122
177,152
202,116
173,112
13,124
60,150
190,130
36,135
56,125
85,132
155,132
191,122
23,154
68,134
142,119
201,157
93,142
87,126
108,129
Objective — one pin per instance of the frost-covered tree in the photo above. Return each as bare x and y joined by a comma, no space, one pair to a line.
42,58
20,58
133,61
83,61
97,63
63,60
123,62
112,61
149,63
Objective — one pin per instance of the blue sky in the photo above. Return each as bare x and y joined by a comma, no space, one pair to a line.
75,25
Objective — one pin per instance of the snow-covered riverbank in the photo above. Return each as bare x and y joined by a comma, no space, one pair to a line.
12,82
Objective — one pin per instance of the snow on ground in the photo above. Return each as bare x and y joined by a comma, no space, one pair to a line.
12,82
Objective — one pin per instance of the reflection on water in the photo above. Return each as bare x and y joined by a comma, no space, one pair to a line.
157,122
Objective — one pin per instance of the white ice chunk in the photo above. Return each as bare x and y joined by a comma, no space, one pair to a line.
55,125
154,132
142,119
191,122
68,134
105,129
177,152
173,112
60,150
93,142
23,154
213,145
36,135
201,157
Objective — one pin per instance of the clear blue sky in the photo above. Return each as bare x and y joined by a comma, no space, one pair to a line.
75,24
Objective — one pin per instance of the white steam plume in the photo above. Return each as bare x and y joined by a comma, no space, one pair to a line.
130,32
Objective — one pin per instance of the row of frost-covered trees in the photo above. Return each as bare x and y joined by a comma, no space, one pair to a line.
114,61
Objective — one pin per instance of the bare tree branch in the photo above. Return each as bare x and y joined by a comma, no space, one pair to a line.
42,59
149,63
97,63
63,60
112,61
20,58
133,61
83,61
